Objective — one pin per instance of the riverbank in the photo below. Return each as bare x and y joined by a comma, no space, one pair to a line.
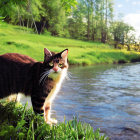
18,123
18,39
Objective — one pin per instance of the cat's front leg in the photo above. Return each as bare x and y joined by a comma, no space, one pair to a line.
47,114
42,106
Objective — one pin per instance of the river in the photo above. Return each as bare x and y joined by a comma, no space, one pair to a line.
105,96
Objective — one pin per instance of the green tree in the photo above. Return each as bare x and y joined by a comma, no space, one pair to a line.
68,5
120,31
55,18
106,16
77,22
22,12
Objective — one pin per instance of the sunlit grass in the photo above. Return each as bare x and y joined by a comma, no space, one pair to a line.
18,123
17,39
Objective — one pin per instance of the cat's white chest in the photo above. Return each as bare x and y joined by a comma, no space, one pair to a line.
56,87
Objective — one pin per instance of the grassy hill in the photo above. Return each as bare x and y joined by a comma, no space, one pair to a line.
18,39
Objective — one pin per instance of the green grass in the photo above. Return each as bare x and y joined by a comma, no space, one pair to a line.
18,123
17,39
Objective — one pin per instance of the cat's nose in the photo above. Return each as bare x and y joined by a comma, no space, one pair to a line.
55,69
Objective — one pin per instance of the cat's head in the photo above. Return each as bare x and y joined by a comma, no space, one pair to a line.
56,61
55,65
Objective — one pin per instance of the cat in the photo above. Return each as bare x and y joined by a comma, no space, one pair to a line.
40,80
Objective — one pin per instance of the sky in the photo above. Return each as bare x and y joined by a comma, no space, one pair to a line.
130,13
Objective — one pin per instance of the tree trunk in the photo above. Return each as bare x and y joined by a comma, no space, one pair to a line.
93,32
88,28
103,36
106,20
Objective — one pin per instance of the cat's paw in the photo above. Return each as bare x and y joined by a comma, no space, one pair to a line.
54,121
51,121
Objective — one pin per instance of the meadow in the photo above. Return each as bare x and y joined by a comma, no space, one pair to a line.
20,40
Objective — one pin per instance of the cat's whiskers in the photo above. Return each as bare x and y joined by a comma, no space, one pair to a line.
46,70
46,76
44,79
43,76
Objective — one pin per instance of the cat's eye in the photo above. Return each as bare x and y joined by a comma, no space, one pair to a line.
60,65
51,64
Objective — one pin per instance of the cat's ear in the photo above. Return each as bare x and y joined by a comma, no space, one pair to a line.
47,52
64,54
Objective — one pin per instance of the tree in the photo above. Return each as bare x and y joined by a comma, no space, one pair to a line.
22,12
68,5
77,22
38,14
120,31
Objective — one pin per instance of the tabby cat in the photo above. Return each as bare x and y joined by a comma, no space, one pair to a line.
40,80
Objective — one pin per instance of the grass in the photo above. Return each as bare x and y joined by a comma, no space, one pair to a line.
17,39
18,123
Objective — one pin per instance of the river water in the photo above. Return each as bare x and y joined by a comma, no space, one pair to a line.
105,96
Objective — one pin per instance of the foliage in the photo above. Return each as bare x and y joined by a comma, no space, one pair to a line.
56,20
76,24
67,4
38,14
19,123
78,19
121,32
